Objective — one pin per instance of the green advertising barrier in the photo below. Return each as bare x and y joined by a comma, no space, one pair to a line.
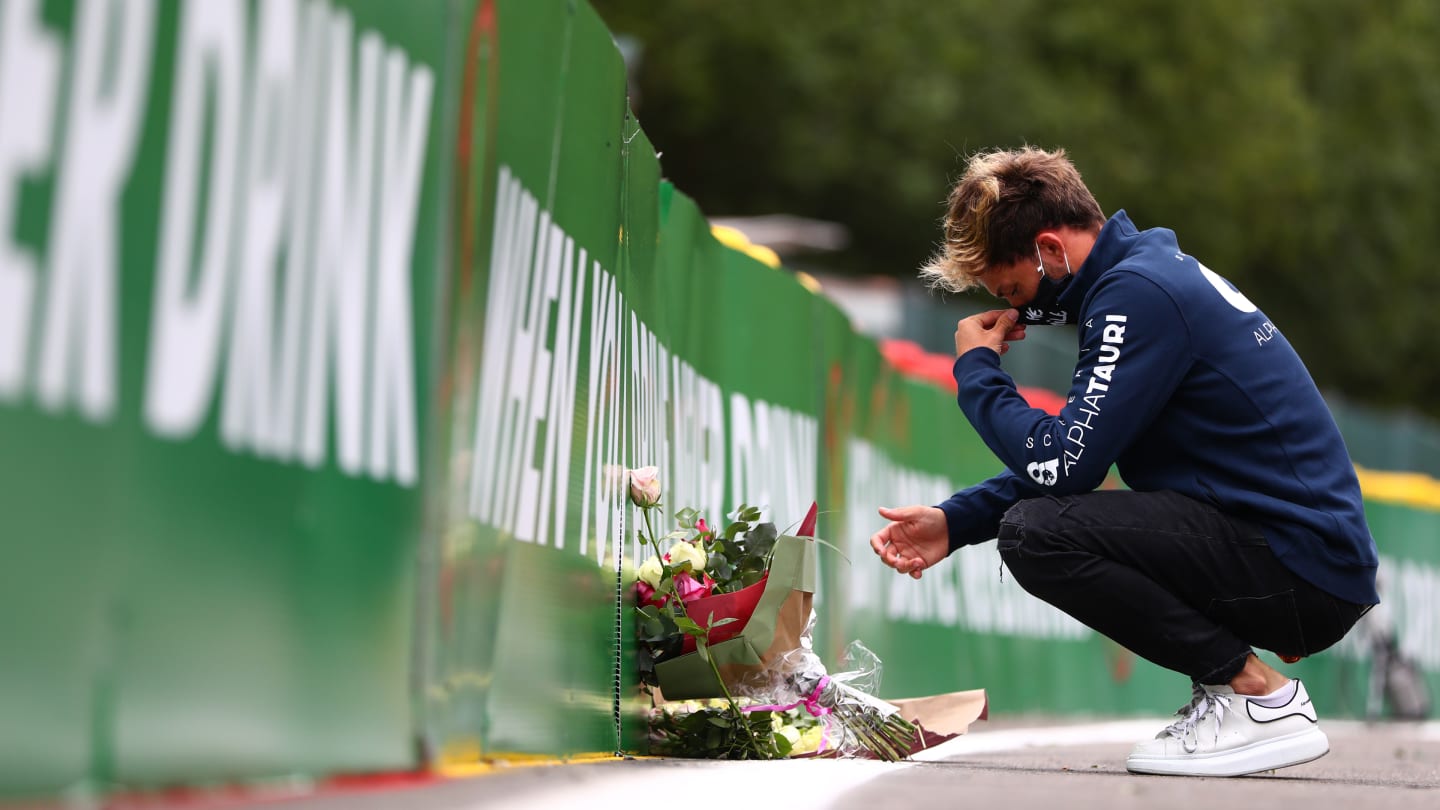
327,330
220,239
519,599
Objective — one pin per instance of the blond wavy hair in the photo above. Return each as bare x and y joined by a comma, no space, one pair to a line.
1002,201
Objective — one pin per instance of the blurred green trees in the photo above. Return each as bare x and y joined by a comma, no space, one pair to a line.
1294,145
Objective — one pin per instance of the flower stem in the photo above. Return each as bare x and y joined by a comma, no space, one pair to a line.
650,527
734,709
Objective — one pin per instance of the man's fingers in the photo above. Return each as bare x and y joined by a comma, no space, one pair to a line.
890,544
902,514
880,544
899,515
912,566
1015,333
1002,318
988,318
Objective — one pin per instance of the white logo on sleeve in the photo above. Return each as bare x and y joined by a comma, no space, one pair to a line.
1043,472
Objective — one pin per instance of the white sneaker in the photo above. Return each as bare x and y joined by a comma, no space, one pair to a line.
1221,733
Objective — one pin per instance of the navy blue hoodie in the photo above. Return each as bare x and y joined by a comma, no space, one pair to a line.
1184,385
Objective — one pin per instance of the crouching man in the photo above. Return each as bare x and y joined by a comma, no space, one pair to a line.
1242,526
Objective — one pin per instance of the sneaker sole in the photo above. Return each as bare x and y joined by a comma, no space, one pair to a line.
1266,755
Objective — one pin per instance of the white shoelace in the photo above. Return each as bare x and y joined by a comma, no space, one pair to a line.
1203,703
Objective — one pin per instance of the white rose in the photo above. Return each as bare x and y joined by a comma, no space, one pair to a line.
788,732
651,572
684,552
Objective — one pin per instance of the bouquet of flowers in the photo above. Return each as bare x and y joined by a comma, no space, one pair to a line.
729,610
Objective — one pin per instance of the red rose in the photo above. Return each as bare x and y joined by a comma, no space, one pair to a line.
645,595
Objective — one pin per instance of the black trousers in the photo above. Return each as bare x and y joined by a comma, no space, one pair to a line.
1170,578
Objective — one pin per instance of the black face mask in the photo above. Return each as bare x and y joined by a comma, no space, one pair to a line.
1044,309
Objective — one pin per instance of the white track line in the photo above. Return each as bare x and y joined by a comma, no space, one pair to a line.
699,785
1429,731
985,742
1121,731
802,784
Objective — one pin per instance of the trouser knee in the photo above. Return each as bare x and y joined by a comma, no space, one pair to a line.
1026,536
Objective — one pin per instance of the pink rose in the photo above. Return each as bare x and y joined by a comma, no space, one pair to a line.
703,529
645,487
689,589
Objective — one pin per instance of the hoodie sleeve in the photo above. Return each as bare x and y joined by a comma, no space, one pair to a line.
973,515
1134,351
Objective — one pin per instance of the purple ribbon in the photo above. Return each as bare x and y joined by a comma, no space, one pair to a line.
812,705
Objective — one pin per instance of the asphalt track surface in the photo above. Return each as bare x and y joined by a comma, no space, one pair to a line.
999,765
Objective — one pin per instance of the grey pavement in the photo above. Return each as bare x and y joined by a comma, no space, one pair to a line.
1001,765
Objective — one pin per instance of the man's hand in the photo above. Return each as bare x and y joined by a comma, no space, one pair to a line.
993,330
918,537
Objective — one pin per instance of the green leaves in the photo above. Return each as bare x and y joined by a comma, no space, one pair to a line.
659,638
656,626
753,560
746,514
686,517
689,627
722,732
781,743
721,569
701,635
